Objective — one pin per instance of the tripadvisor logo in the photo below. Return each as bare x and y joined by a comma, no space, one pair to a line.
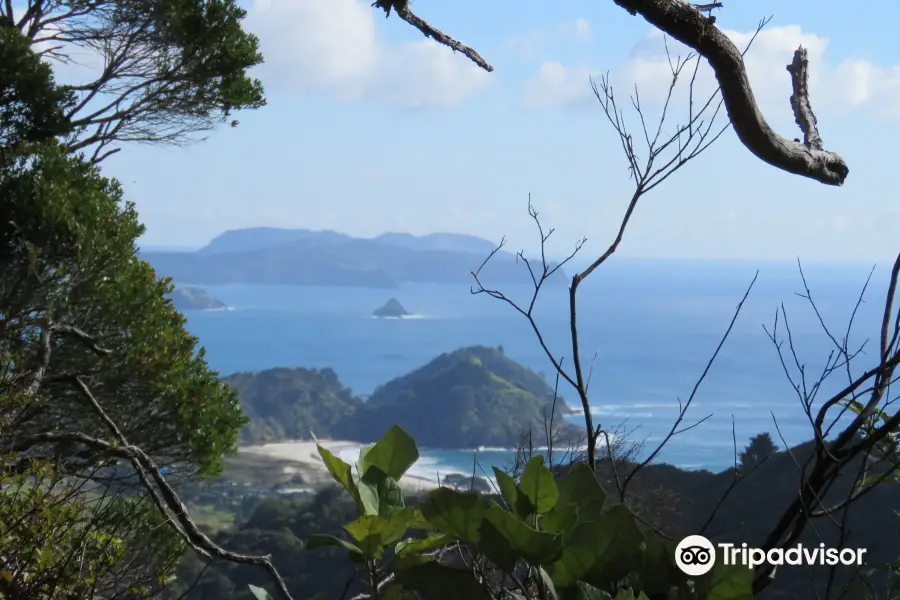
695,555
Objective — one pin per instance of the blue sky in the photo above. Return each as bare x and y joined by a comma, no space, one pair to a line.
372,128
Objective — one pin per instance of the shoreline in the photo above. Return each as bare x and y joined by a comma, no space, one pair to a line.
310,465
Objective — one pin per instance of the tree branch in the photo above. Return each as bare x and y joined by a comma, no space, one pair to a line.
401,7
687,25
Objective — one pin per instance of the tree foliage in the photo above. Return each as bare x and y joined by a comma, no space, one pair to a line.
164,70
94,361
31,107
544,537
761,447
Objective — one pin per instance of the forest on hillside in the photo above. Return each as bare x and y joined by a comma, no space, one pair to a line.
464,399
118,440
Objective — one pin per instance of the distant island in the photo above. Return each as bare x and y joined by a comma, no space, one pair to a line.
392,309
192,298
464,399
266,255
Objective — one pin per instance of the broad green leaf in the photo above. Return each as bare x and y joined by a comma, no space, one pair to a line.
394,454
548,583
562,519
584,591
727,582
368,499
628,594
259,592
340,471
618,544
579,486
379,493
496,547
572,565
658,572
393,591
437,582
536,546
409,560
374,533
321,540
458,514
517,501
430,542
418,521
538,485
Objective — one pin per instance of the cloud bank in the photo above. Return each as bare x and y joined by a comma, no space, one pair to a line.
332,46
850,84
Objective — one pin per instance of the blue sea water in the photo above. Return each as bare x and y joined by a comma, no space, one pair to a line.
648,327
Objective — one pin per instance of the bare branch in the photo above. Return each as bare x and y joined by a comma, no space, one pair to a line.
688,25
402,9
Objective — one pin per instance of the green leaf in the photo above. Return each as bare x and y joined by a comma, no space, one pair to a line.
458,514
517,502
379,493
374,533
538,485
548,583
538,547
437,582
393,454
584,591
600,551
392,591
321,540
628,594
408,561
430,542
620,544
418,521
260,593
658,572
727,582
572,565
562,519
579,486
340,471
496,547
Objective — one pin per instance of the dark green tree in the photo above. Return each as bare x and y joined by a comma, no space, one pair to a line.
166,70
760,448
96,368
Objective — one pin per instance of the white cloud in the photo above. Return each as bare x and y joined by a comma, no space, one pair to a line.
851,83
558,85
582,28
333,46
534,43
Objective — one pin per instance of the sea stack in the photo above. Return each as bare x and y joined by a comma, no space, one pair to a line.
393,309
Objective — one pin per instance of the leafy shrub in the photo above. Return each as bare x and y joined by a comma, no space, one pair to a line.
541,537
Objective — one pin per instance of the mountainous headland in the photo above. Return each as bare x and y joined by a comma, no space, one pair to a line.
266,255
468,398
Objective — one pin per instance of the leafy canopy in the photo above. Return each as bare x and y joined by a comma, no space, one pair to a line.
164,70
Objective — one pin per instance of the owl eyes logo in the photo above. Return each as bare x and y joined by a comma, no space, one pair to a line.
695,555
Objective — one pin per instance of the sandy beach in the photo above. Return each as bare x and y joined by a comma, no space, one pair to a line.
309,464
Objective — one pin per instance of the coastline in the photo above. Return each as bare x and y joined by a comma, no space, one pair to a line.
309,464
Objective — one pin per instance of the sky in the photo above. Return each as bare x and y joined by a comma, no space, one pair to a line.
370,127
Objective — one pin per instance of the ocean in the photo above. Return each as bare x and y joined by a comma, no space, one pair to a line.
648,327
